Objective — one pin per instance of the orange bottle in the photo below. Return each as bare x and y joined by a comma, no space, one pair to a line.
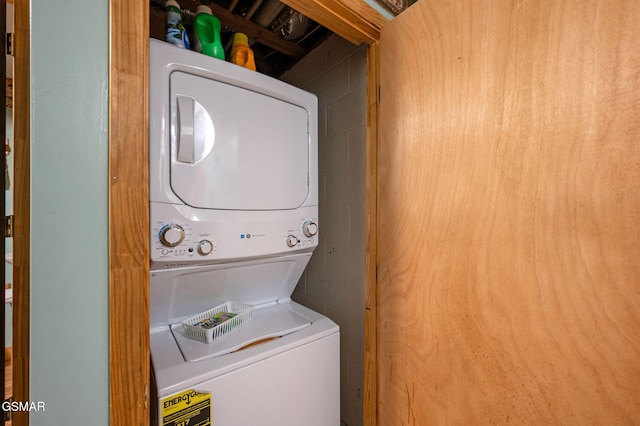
241,53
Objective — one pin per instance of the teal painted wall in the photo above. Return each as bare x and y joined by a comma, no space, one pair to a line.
69,212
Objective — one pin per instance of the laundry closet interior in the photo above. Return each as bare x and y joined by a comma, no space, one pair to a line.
334,69
484,307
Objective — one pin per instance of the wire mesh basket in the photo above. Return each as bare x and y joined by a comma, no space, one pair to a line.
214,323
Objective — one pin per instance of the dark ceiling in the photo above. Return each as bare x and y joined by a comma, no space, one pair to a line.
278,35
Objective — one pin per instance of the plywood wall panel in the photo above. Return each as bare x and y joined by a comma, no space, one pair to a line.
509,182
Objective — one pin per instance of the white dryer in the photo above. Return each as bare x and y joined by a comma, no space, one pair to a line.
234,217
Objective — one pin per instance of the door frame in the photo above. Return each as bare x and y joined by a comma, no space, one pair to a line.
129,393
3,125
128,213
21,209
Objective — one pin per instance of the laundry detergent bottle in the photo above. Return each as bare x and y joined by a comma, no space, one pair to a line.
176,33
206,32
241,53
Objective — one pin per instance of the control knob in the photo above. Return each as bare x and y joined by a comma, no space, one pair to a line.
309,228
205,247
292,241
171,235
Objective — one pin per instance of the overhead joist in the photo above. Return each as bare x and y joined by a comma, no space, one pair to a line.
353,20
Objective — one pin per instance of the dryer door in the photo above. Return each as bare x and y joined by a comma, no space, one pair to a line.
236,149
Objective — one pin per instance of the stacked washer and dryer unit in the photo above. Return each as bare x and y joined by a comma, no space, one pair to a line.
234,218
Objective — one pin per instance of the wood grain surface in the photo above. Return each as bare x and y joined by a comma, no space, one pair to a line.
509,214
370,400
353,20
21,209
129,213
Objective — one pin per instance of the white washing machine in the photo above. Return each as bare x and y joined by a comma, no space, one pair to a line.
234,218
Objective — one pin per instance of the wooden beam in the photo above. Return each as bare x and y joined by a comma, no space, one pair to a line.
353,20
259,33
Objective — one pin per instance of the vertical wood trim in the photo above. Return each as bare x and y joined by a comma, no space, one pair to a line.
128,213
371,247
3,179
21,209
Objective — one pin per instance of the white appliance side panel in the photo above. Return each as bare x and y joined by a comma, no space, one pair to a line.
236,149
297,387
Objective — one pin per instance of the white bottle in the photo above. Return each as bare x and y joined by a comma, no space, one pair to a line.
176,33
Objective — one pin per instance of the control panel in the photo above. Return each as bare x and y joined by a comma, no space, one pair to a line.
180,242
303,235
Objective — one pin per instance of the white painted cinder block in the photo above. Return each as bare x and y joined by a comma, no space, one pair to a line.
333,282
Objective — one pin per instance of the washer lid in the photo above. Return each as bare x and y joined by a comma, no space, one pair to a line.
268,323
180,293
236,149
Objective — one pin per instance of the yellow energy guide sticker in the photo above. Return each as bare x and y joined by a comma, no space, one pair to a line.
188,408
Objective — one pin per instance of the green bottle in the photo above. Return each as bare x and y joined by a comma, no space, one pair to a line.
206,31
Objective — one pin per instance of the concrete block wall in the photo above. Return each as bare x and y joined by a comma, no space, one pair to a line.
333,282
